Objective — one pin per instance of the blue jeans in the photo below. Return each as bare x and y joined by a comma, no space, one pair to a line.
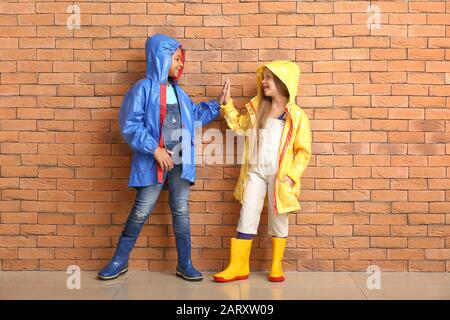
146,198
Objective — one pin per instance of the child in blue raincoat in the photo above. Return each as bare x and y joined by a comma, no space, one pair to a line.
157,119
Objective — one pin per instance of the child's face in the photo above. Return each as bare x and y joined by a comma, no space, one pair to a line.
176,65
268,84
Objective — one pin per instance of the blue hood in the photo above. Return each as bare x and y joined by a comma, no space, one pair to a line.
159,50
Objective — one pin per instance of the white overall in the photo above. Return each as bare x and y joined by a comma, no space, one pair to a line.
261,179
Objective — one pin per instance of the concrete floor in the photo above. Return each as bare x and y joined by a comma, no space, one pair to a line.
161,285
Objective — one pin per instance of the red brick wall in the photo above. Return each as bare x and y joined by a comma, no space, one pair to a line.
377,188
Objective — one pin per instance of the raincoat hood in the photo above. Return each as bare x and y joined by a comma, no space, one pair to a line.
159,50
288,72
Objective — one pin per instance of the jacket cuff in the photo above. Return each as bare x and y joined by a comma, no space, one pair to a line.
214,103
153,149
227,106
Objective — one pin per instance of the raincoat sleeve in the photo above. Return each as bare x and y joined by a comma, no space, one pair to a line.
205,112
302,150
131,122
237,122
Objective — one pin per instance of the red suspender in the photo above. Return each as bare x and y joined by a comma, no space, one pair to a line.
162,115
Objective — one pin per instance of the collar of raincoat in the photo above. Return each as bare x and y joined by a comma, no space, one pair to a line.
287,71
159,50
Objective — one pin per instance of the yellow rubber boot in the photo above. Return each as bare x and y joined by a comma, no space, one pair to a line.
278,245
239,266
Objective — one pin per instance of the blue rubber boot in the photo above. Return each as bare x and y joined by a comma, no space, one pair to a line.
119,263
185,269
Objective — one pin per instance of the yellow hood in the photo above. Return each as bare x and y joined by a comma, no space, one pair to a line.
288,72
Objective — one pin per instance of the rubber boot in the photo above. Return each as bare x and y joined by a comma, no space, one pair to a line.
239,266
185,269
119,262
278,245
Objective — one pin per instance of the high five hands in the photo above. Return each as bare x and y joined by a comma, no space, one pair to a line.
224,95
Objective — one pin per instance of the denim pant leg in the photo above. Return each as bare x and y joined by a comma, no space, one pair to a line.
143,206
179,201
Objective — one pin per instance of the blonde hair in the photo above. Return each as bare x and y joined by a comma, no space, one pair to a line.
265,103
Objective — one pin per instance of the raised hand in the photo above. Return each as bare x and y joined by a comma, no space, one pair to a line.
224,95
228,95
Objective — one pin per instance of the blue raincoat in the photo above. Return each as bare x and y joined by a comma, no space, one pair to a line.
143,110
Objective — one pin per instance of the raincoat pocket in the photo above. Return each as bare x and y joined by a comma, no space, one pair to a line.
287,192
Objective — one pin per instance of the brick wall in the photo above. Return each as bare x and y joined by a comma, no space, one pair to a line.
377,188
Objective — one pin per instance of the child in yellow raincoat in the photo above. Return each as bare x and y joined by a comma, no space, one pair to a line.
277,150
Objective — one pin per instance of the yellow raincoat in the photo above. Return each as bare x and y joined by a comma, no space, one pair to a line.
295,147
